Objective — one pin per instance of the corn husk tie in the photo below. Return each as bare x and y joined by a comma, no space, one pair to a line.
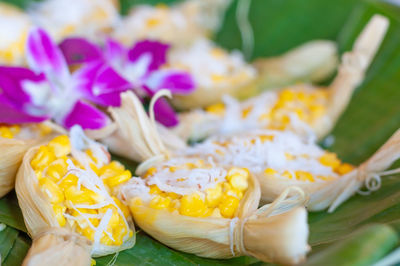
41,223
275,233
352,71
48,246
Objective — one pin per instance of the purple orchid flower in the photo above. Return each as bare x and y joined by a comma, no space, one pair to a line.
139,65
49,90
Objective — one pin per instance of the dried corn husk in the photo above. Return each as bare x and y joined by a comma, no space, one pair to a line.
274,233
198,124
133,135
15,150
330,194
41,224
313,61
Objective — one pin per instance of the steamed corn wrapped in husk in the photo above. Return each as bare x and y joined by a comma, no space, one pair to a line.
218,72
179,25
15,140
64,191
303,108
282,159
91,19
14,27
199,207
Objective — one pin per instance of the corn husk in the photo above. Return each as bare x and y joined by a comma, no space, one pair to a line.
133,135
15,150
313,61
198,124
330,194
274,233
41,223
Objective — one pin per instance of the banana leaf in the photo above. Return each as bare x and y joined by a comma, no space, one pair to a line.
373,115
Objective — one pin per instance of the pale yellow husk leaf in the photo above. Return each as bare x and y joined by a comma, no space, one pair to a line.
40,220
274,233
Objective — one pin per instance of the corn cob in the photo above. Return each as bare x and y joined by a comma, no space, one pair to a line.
178,25
14,26
303,109
15,140
90,19
198,207
64,189
282,159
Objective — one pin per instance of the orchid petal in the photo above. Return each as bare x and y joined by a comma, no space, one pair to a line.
43,55
100,84
80,50
165,114
11,79
156,50
113,50
12,114
85,115
178,82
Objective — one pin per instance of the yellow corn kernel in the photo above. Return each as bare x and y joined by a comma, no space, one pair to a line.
213,196
237,170
56,170
192,205
217,77
172,169
160,203
270,171
82,196
239,182
174,205
59,211
136,201
152,22
228,206
68,181
155,190
151,171
51,190
60,146
287,95
287,174
119,179
218,109
173,195
235,193
344,168
115,217
246,111
114,165
5,132
91,155
118,233
329,159
265,138
121,206
42,158
304,176
326,178
216,213
86,232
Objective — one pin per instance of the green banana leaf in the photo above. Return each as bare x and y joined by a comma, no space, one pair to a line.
373,115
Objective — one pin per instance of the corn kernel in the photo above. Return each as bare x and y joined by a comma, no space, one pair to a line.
121,206
155,190
56,170
344,168
287,174
152,22
5,132
68,181
304,176
119,179
192,205
151,171
42,158
213,196
82,222
51,190
160,203
218,109
329,159
59,211
83,196
246,111
228,206
236,170
239,182
270,171
60,146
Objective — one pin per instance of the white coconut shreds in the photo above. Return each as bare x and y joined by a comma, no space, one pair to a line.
211,66
286,152
182,176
